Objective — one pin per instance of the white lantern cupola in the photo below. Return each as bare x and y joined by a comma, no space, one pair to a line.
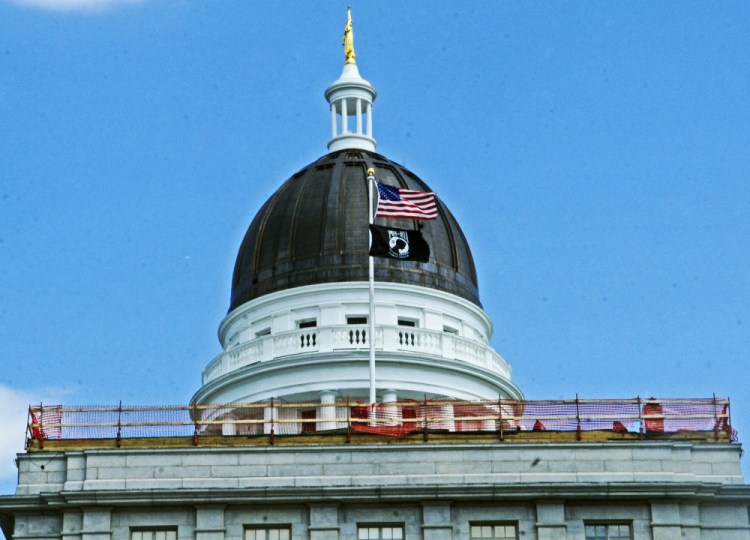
350,98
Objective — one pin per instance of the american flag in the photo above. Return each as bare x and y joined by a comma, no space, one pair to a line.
394,202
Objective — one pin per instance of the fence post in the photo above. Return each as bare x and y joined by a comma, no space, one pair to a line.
272,436
500,418
348,421
578,419
195,424
716,419
640,418
34,427
119,425
29,428
41,426
729,412
732,433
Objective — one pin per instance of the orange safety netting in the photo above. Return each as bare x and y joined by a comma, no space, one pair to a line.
644,416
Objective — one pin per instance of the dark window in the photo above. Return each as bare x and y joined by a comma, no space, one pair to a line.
356,320
276,532
380,532
407,322
308,324
608,531
153,534
494,531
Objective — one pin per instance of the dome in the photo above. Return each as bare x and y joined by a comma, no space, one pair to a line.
314,230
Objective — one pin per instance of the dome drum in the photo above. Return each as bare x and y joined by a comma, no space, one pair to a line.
304,377
323,326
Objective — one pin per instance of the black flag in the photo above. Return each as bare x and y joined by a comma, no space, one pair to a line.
398,244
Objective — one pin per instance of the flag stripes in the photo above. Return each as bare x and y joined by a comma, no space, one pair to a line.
394,202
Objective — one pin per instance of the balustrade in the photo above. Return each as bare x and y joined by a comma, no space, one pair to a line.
330,338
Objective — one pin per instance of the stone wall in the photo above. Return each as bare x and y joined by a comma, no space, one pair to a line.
379,465
662,490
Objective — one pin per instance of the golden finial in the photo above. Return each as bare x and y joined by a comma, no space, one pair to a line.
349,39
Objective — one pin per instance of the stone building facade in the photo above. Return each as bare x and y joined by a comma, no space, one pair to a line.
432,491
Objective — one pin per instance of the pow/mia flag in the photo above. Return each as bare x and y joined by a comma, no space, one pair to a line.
398,244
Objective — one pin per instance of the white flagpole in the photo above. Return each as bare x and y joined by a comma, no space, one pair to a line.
371,212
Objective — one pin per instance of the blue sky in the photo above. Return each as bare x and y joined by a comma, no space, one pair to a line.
595,154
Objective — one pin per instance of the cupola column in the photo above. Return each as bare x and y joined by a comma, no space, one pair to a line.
344,117
390,410
327,410
359,117
369,119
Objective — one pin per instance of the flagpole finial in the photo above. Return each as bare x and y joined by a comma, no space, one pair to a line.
348,41
370,172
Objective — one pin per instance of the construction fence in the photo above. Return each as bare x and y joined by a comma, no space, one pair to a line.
274,417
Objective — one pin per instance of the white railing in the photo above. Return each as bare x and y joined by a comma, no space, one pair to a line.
341,338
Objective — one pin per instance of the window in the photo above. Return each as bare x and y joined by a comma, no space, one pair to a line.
308,323
450,330
494,531
407,322
153,534
280,532
608,531
356,320
264,332
380,532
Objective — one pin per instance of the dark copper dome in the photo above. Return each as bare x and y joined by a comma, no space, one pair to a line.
314,230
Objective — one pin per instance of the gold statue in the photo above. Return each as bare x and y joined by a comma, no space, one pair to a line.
348,42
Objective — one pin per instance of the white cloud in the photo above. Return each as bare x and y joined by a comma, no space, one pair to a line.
14,406
73,5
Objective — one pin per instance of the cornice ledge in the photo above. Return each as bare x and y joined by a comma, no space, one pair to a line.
457,492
